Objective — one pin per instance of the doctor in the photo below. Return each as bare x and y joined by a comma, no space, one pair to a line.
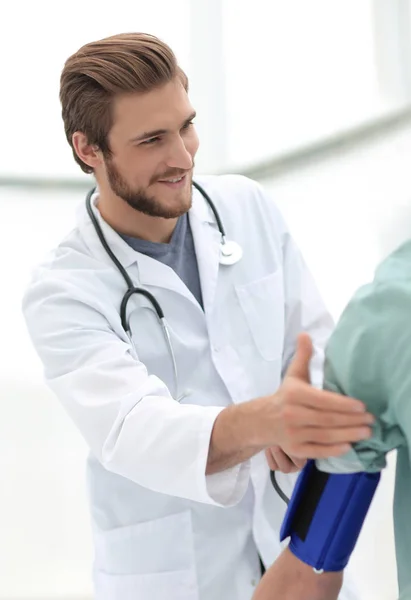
177,420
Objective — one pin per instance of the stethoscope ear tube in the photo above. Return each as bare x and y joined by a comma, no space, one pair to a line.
103,240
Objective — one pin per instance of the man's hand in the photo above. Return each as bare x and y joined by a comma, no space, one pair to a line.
280,461
314,423
303,421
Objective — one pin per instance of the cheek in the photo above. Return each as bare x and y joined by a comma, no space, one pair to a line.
125,161
140,166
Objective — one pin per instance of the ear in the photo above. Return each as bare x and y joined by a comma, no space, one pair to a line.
90,155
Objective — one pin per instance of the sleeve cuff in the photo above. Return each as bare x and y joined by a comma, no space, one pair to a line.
228,487
349,463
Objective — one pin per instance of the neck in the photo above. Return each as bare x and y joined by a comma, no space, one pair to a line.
127,221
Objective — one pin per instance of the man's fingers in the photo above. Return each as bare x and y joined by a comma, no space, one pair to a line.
298,462
270,459
300,416
330,401
300,365
279,461
303,394
318,451
314,423
330,437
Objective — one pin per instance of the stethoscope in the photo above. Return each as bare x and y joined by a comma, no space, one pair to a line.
230,254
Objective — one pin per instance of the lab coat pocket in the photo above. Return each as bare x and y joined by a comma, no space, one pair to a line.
262,302
154,559
178,585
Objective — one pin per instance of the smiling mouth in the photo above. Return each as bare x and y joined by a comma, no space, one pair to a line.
174,181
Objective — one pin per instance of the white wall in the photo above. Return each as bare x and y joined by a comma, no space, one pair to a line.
292,80
45,548
349,212
39,45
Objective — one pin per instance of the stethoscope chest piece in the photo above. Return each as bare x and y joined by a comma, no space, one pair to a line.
230,252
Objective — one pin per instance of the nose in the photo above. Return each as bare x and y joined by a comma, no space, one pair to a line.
180,156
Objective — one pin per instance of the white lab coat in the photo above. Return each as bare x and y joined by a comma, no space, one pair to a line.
163,530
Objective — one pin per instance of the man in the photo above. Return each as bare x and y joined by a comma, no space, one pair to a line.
177,414
369,356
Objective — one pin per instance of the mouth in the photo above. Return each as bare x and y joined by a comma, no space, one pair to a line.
174,182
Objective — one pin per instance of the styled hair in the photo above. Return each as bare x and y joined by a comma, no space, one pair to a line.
100,71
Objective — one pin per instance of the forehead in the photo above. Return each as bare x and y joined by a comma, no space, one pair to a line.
163,108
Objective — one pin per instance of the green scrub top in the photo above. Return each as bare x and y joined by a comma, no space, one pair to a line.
369,357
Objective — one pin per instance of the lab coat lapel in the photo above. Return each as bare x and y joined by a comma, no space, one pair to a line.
152,273
143,270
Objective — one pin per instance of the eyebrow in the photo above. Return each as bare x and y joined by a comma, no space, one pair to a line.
157,132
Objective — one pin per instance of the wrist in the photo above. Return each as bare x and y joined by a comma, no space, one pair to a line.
238,434
262,422
254,423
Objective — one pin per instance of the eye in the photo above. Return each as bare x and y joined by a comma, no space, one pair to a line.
150,141
188,125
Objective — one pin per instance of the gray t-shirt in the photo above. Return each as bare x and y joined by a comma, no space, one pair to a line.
179,254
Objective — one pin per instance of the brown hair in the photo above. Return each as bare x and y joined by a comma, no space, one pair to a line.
95,74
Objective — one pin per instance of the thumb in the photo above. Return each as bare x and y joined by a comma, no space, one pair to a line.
300,365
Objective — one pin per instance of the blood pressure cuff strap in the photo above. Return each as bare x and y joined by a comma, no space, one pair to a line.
325,516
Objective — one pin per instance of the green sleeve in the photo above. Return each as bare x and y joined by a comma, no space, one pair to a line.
369,357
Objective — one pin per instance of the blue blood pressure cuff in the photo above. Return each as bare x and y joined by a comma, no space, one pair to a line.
325,516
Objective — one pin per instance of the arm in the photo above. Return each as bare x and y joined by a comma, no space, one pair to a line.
127,416
131,422
298,418
369,355
382,351
291,579
357,362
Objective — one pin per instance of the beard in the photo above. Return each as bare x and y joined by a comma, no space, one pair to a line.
148,204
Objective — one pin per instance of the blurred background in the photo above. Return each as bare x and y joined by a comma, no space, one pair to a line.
313,99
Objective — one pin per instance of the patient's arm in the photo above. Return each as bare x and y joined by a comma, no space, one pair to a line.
369,358
290,579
